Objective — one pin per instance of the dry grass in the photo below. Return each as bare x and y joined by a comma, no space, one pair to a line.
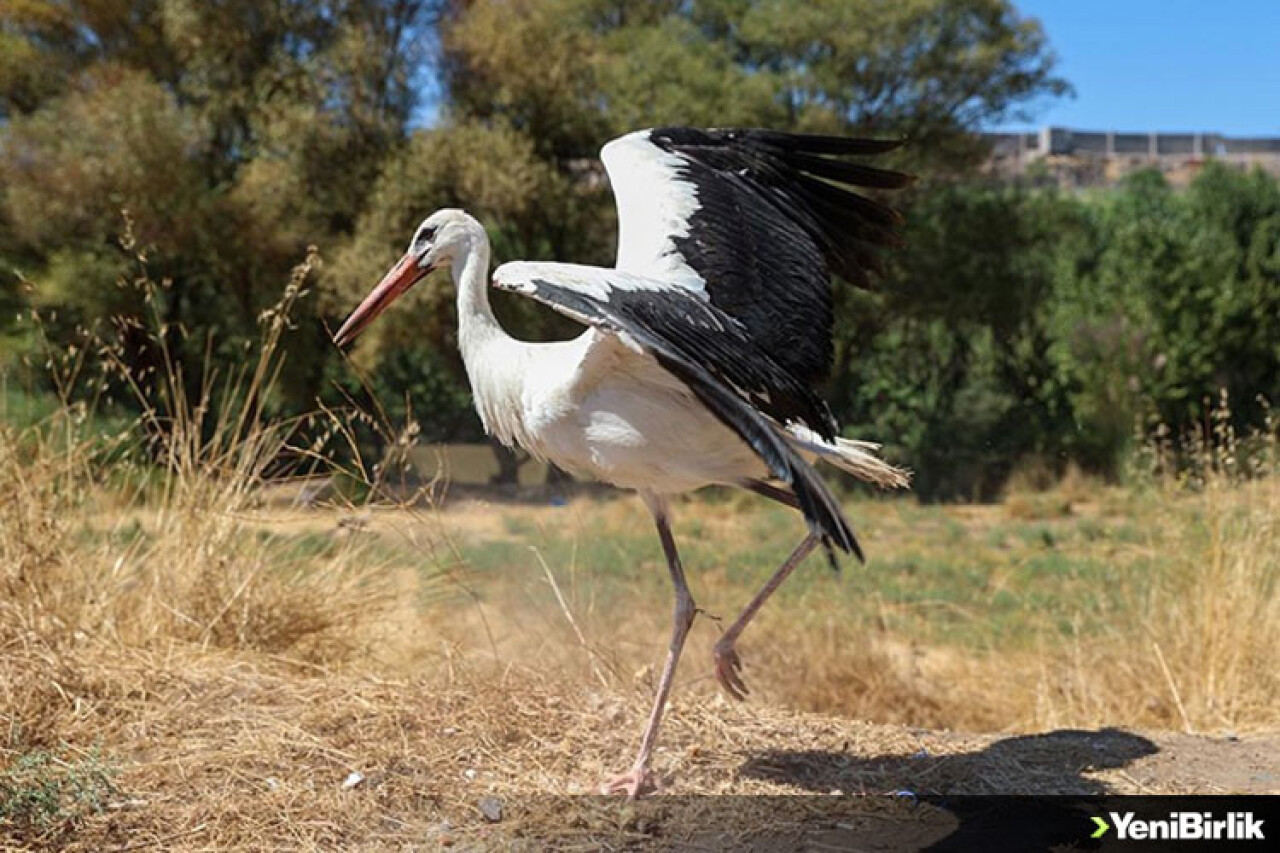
223,750
1212,615
77,559
184,666
137,546
241,737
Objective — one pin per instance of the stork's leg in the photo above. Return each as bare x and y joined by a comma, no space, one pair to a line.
638,776
728,664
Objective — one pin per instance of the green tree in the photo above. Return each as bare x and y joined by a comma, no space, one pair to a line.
238,133
950,361
235,134
1175,296
571,73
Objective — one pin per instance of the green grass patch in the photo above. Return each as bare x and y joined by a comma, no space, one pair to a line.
936,574
43,792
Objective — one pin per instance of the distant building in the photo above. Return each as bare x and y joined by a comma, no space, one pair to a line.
1084,158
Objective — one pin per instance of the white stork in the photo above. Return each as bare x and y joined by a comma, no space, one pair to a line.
702,347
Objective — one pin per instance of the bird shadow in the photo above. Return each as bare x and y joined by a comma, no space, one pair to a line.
1033,788
1050,763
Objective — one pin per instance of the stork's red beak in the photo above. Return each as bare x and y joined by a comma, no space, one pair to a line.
404,275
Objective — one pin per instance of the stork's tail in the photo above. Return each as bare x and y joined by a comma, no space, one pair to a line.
859,458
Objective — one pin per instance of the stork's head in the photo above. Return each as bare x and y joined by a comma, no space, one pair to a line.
443,236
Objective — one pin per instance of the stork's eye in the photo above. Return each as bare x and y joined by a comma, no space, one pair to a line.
426,234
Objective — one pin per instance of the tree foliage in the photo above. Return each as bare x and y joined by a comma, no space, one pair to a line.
227,137
1027,323
230,135
572,73
1168,296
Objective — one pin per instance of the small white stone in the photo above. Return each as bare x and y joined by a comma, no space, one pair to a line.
353,778
491,808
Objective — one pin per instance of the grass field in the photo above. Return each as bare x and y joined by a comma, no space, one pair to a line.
1021,616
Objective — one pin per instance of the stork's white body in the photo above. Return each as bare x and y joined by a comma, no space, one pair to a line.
596,408
592,405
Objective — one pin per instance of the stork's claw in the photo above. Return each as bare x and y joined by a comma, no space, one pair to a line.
729,671
632,783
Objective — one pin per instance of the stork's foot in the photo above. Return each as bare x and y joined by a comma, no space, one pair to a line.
633,783
729,670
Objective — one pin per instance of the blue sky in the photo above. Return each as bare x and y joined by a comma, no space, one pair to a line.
1165,64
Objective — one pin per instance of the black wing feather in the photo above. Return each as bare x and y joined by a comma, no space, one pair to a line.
771,228
848,173
819,144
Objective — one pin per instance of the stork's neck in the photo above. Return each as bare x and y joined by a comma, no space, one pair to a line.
494,360
476,323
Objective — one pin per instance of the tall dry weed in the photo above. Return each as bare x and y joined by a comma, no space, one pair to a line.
1213,618
1194,646
143,537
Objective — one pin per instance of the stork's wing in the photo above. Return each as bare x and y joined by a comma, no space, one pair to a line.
754,219
710,352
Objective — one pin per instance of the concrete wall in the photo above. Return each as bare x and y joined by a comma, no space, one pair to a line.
1087,157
